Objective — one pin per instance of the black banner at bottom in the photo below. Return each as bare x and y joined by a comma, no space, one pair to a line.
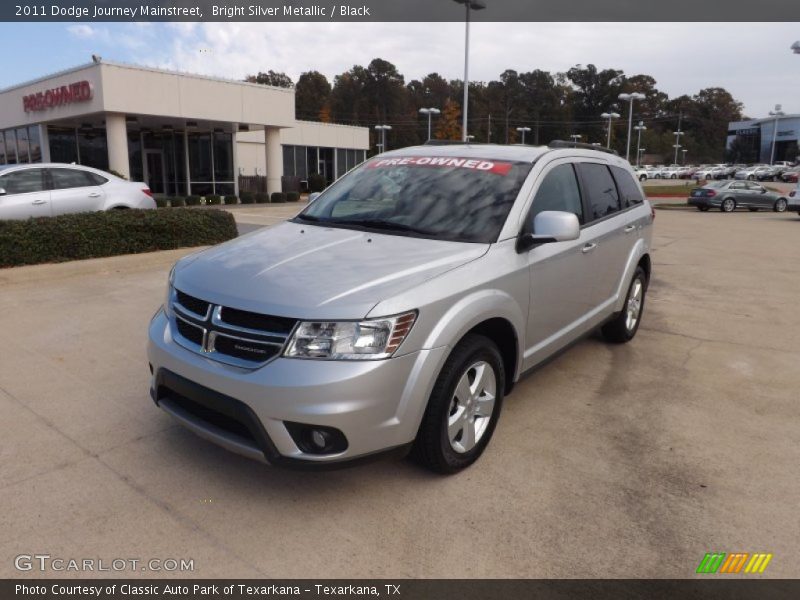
398,589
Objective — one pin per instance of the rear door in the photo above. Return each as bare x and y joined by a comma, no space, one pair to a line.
738,190
74,191
26,194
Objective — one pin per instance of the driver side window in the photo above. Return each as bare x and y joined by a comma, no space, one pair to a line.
22,182
558,191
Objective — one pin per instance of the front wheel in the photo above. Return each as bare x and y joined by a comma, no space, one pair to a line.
625,325
780,205
463,408
728,205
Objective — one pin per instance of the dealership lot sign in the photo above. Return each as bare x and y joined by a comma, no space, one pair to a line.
80,91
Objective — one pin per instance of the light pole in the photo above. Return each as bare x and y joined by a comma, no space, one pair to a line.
639,129
523,131
576,137
640,153
630,98
609,116
684,151
469,5
429,112
677,144
777,113
383,129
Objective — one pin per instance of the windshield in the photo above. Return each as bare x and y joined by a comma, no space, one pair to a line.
447,198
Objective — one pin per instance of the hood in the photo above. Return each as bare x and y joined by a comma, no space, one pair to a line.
311,272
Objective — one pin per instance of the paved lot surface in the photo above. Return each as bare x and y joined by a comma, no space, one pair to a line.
609,461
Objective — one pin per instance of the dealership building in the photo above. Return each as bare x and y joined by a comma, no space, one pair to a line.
751,140
181,133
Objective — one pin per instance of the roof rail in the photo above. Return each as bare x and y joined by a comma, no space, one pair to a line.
452,143
583,146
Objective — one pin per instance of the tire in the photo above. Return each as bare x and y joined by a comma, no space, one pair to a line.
780,205
624,326
728,205
751,178
440,445
642,177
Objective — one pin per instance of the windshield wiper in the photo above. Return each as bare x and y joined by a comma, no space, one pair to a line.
378,224
309,218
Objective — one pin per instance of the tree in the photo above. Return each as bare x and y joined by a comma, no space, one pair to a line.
312,94
272,78
449,125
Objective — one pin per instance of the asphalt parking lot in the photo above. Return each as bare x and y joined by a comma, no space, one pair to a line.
610,461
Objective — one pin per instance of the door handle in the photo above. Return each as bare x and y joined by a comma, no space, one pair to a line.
39,202
588,248
629,228
94,195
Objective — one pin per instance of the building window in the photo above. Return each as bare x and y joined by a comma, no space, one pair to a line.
300,166
223,158
35,144
2,149
63,145
288,161
22,146
200,168
11,147
93,148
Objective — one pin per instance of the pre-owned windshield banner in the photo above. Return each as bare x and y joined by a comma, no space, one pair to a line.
401,10
443,162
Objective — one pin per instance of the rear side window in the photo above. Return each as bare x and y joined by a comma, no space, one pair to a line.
630,193
558,191
23,182
601,190
64,179
95,179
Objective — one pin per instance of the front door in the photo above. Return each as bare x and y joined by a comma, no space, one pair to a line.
154,171
24,194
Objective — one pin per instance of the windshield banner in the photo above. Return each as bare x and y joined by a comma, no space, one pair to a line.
474,164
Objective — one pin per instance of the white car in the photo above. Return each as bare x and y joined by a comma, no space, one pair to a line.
641,173
50,189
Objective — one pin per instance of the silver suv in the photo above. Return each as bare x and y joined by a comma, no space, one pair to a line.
398,308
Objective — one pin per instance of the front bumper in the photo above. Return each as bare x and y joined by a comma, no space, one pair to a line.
377,405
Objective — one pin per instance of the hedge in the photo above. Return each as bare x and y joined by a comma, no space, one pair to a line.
316,182
231,200
277,197
193,200
215,200
177,201
248,197
292,196
93,235
262,198
162,202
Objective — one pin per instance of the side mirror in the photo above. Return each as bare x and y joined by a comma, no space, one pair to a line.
3,191
550,226
314,196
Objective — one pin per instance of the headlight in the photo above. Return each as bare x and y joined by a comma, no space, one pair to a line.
168,299
350,340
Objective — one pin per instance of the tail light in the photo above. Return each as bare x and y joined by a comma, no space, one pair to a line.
147,191
710,193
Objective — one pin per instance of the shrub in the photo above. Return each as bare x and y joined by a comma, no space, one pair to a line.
162,202
215,200
231,200
247,197
292,196
193,200
262,198
316,182
177,201
92,235
277,197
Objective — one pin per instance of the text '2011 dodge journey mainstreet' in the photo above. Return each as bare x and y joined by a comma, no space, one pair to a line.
399,307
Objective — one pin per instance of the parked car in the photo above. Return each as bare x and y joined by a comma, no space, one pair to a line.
398,309
686,172
756,173
730,195
791,175
641,173
708,172
50,189
794,200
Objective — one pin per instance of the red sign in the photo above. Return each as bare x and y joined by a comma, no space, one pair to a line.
80,91
474,164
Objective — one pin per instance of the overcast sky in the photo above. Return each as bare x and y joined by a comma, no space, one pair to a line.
753,61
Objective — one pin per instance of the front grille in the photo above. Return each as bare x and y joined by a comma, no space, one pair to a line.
251,320
191,332
228,335
193,304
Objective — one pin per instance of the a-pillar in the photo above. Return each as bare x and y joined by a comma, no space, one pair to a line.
117,137
274,154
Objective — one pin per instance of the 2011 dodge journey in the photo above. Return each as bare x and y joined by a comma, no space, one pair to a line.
397,309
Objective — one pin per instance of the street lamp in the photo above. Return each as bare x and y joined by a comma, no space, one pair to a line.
383,129
609,116
630,98
523,131
684,151
796,47
677,144
429,112
576,137
777,113
469,138
641,154
469,5
639,128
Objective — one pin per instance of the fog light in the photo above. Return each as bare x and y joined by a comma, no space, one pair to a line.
316,439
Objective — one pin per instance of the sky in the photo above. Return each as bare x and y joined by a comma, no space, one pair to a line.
751,60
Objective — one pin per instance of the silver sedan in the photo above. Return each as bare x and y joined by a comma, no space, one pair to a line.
730,195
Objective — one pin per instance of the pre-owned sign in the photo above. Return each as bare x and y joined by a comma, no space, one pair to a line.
80,91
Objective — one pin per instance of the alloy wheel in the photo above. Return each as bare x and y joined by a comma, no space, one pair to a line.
634,306
471,407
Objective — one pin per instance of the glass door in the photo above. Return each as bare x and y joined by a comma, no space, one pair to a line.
154,171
